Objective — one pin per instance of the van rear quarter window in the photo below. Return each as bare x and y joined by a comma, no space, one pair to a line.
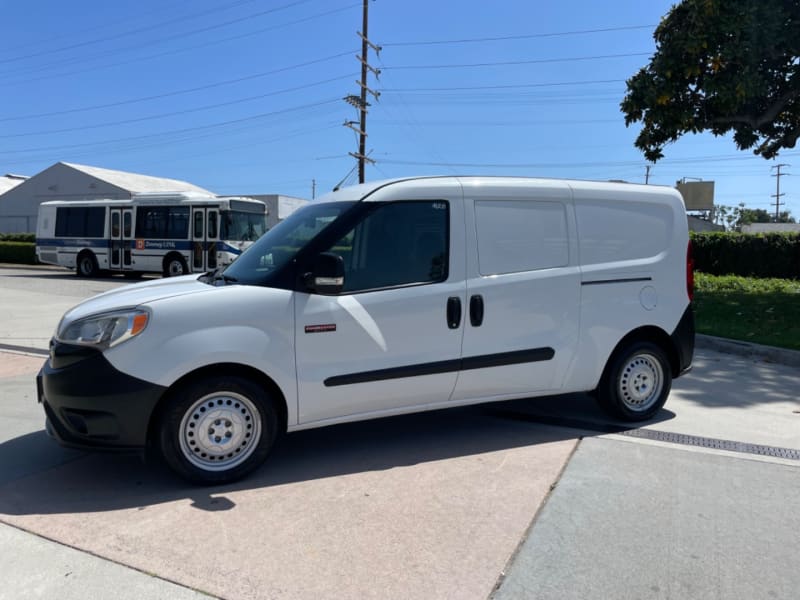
612,231
520,235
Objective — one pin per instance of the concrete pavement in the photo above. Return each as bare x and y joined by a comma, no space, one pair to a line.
630,521
452,504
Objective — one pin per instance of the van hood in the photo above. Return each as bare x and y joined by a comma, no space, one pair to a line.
136,294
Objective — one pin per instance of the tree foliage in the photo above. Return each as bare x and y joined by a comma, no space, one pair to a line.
721,66
733,217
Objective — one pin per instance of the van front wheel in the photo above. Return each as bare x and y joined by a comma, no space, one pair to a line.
636,383
217,429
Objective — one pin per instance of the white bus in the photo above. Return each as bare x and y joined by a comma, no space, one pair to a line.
171,234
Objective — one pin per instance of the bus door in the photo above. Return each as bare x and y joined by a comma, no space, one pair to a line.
121,238
205,233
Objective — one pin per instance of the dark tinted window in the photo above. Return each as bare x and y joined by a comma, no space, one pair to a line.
162,222
80,221
397,244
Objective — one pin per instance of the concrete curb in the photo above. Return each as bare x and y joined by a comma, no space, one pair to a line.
772,354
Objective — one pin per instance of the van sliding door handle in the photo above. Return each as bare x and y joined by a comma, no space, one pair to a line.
476,310
453,312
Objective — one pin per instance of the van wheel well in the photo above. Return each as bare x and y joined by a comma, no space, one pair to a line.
655,335
220,370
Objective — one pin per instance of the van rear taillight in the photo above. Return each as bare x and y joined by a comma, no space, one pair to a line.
689,272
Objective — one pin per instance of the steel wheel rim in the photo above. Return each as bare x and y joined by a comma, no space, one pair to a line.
85,265
641,381
175,268
220,431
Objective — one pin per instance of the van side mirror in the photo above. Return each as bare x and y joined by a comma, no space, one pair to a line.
328,274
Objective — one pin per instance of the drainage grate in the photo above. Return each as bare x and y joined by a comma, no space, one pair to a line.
652,434
704,442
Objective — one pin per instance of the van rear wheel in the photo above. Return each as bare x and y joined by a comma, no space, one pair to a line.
636,383
217,429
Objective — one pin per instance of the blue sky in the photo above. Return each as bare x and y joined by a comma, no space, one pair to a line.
245,96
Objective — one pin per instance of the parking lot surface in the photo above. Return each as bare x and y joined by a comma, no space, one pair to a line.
526,499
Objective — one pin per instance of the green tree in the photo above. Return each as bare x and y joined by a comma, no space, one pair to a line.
733,217
721,66
759,215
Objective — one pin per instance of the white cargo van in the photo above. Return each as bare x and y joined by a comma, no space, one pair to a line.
382,299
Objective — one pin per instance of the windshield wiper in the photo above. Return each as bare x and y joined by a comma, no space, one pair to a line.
216,276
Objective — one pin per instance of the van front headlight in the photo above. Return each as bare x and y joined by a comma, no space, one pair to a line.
105,330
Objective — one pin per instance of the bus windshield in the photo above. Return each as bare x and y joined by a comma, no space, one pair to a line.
281,243
238,226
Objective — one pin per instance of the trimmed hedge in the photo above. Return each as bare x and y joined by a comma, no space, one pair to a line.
23,253
18,237
747,254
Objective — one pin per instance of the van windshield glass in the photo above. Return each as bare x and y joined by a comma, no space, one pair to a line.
281,243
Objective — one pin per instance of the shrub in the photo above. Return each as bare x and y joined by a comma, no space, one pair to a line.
18,237
749,255
18,252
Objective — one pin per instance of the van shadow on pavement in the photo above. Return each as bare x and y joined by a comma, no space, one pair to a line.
106,482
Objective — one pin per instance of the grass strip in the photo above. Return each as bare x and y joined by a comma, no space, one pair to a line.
763,311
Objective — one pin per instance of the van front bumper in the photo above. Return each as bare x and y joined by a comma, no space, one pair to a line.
89,404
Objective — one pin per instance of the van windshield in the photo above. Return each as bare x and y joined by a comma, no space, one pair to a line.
281,243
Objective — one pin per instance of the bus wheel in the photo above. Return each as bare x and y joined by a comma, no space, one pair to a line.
86,265
174,265
217,429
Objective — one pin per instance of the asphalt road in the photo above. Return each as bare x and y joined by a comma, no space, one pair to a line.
527,499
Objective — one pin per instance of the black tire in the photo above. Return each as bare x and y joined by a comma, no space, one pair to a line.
217,429
86,265
636,383
175,266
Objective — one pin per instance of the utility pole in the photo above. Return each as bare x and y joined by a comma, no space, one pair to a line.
313,189
359,102
777,195
647,174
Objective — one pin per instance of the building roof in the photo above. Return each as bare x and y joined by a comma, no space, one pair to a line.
134,182
9,181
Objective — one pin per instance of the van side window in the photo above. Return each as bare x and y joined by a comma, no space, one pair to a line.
402,243
520,235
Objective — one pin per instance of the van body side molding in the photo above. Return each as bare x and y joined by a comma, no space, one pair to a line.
445,366
624,280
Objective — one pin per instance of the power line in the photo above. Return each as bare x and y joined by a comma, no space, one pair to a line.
175,113
181,92
519,37
500,87
518,62
157,26
175,131
78,60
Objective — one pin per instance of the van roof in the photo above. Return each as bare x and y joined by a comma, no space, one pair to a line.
361,191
